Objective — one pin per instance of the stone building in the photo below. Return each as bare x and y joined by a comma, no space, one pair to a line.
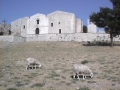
92,28
57,22
19,26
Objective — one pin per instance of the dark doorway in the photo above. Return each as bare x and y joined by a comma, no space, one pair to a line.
37,31
59,31
9,32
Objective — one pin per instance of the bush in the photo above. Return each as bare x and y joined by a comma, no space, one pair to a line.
11,89
38,85
84,62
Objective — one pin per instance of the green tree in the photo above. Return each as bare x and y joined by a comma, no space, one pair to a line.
108,18
85,30
107,30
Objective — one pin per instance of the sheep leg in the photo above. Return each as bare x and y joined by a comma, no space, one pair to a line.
39,65
35,66
83,76
27,67
32,66
78,76
73,76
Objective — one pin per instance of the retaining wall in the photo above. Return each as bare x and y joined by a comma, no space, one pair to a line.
11,38
6,38
78,37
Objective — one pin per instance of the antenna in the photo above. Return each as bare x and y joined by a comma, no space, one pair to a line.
4,22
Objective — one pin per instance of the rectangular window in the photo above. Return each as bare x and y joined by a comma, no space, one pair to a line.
59,22
59,31
24,27
51,24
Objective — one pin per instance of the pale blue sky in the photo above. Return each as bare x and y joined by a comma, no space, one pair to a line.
15,9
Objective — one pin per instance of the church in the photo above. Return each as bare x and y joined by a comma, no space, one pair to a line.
55,26
58,22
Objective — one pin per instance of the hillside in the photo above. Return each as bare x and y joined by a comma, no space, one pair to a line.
57,60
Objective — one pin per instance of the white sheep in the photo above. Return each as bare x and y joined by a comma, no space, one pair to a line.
33,62
79,69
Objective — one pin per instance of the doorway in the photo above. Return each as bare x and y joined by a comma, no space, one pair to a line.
37,31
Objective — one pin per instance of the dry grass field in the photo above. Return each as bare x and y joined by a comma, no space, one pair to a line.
57,60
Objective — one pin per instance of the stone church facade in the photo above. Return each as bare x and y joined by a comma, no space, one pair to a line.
56,26
57,22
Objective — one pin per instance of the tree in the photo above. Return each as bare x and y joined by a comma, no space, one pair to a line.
107,30
85,29
1,33
108,18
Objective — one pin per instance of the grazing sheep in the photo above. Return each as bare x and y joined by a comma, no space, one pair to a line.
83,70
33,62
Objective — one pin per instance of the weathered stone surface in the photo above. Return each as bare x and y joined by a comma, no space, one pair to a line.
57,22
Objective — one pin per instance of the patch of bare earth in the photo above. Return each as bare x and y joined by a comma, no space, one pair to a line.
57,60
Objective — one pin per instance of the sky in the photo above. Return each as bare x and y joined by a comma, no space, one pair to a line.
11,10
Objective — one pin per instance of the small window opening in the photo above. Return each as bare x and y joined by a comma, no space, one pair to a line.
24,27
59,31
9,32
59,22
37,21
51,24
37,31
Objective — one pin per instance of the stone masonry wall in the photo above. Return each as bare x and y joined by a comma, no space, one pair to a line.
12,39
78,37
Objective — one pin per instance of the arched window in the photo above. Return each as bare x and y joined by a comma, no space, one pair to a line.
37,31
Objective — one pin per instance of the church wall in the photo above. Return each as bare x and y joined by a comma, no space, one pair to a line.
16,27
79,25
92,28
61,22
24,26
33,24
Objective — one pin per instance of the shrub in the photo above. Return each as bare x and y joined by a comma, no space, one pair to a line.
85,61
11,89
38,85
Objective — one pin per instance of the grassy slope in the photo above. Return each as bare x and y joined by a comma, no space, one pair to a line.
58,59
